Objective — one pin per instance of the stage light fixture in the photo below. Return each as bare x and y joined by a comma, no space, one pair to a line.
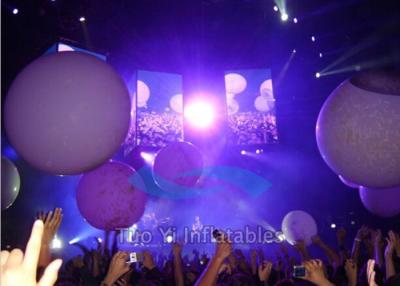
320,55
312,38
82,19
294,51
200,113
15,11
284,17
258,151
169,239
243,152
317,75
295,20
333,225
276,8
147,157
56,243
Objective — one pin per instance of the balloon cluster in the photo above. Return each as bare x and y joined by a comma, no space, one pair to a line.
358,136
67,114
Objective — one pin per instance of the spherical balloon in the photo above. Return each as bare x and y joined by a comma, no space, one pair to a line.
299,225
179,163
143,93
235,83
348,183
381,202
106,198
263,103
176,103
10,183
67,113
358,131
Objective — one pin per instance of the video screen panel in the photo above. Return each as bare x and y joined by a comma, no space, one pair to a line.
251,107
159,108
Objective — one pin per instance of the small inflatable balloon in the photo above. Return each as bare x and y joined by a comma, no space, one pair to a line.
299,225
358,130
348,183
176,103
381,202
179,163
67,113
143,93
10,183
235,83
106,198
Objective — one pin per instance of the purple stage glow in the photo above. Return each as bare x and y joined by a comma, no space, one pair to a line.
200,113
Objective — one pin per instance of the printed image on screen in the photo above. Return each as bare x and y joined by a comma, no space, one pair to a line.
159,108
251,107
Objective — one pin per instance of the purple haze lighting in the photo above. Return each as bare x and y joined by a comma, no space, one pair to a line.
200,113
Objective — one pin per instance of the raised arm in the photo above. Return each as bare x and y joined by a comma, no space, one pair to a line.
315,273
355,252
301,247
209,275
52,221
389,251
332,256
178,270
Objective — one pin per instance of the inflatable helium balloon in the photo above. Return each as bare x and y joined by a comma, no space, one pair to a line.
179,163
235,83
299,225
358,130
348,183
107,200
67,113
10,183
381,202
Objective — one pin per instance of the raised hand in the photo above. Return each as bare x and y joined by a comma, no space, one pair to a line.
315,273
52,221
371,273
264,271
223,250
391,244
148,261
20,269
117,268
316,240
341,235
351,272
177,249
362,232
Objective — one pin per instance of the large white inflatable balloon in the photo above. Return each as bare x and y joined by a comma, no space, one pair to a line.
176,103
143,93
381,202
235,83
358,130
299,225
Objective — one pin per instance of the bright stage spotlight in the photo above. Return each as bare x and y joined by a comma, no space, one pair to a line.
147,157
284,17
169,239
258,151
243,152
312,39
320,55
74,240
82,19
281,237
56,243
276,8
333,225
294,51
200,113
317,75
15,11
295,20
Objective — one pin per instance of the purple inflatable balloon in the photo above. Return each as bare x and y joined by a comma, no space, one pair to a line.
348,183
10,183
381,202
358,130
67,113
107,200
179,163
